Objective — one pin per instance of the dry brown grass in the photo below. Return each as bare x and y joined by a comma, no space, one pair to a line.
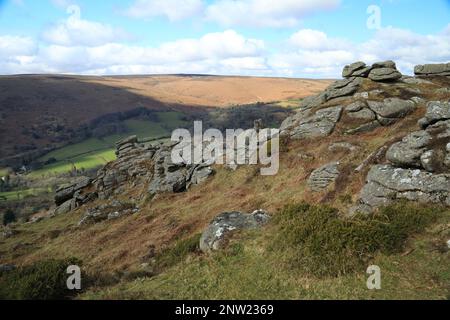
214,91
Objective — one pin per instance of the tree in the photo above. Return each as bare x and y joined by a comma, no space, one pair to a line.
9,217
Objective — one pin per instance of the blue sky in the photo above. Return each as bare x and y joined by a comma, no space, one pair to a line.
293,38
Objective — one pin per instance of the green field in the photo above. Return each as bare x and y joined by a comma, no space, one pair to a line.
288,104
3,172
93,152
17,195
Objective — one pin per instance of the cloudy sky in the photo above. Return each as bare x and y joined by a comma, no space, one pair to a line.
289,38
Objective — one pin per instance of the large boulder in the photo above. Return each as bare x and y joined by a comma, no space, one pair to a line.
215,235
66,192
436,111
407,153
342,88
319,124
391,109
386,183
384,74
385,64
426,149
357,69
433,70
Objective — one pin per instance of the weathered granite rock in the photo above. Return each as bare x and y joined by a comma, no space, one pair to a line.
363,114
320,124
214,237
412,80
436,111
356,106
323,177
337,146
66,192
137,164
342,88
384,74
357,69
433,70
407,152
385,64
66,207
392,108
111,211
366,127
312,102
386,183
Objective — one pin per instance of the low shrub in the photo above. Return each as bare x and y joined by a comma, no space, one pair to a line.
177,253
43,280
9,217
318,241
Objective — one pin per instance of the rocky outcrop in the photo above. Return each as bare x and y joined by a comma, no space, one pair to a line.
114,210
133,164
384,74
391,110
137,164
373,114
357,69
433,70
419,168
426,149
71,196
172,177
386,183
319,124
380,71
215,235
67,192
318,115
323,177
436,111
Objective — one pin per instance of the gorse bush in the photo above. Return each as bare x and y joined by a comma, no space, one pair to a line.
44,280
9,217
317,241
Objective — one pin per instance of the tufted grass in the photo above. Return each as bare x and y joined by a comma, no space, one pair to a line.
309,253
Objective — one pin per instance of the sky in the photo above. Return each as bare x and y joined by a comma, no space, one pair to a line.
282,38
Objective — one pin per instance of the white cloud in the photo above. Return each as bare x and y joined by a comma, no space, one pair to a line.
307,52
11,46
76,31
265,13
312,53
316,40
224,52
174,10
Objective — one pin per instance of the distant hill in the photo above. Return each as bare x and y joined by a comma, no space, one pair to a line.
43,111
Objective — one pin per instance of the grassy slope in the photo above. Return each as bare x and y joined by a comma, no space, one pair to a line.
249,271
